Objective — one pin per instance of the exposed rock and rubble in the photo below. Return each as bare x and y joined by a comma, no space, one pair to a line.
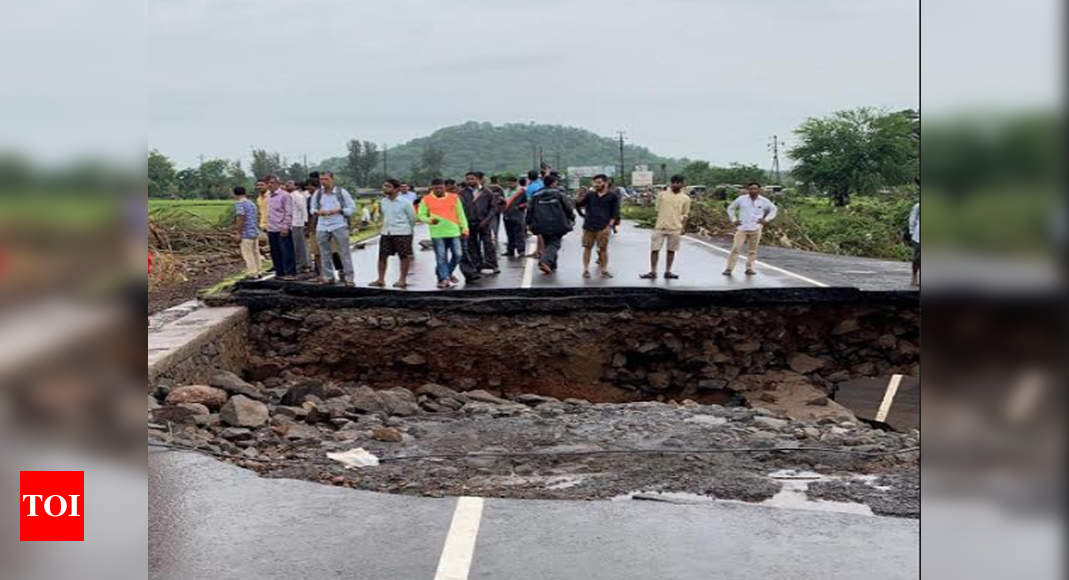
489,442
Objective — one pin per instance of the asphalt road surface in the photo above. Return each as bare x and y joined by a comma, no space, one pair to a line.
699,264
209,519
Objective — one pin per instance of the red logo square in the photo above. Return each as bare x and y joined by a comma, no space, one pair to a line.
51,506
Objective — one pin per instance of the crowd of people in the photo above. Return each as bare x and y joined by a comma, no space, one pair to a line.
307,226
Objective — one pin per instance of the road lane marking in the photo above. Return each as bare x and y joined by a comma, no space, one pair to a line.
888,397
459,548
762,264
528,266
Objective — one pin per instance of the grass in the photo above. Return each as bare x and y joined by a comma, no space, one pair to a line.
209,212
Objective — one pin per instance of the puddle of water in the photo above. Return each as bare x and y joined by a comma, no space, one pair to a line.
792,495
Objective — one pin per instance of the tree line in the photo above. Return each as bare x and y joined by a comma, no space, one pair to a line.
859,151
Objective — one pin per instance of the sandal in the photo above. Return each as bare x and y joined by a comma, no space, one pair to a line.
671,276
400,284
606,274
649,276
377,284
586,273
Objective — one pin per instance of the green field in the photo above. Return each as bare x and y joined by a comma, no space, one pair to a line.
204,212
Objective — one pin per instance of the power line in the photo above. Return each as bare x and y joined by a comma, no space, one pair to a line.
774,146
621,134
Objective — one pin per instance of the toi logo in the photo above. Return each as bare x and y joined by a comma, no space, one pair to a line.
51,506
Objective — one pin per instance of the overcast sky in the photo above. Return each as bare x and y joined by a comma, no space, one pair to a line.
707,79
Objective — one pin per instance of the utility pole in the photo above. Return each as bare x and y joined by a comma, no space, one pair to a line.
541,157
534,157
385,167
558,160
774,147
621,134
201,158
305,157
664,173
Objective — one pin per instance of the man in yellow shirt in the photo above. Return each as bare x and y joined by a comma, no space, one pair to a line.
673,207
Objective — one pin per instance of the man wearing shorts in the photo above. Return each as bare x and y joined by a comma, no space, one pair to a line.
600,209
673,207
398,219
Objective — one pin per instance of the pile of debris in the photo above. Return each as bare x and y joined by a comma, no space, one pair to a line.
439,441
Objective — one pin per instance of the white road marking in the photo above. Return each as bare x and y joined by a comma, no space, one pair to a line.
888,397
459,548
762,264
528,266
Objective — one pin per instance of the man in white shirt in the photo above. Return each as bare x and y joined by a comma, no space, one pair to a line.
915,236
749,212
300,221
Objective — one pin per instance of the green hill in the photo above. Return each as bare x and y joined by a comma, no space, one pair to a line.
510,148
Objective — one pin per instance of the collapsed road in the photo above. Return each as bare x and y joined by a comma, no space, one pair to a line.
609,392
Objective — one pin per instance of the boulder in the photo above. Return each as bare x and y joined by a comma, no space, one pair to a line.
234,385
299,392
210,397
658,381
414,359
236,434
172,414
153,403
486,397
241,411
366,400
846,326
438,392
399,401
803,363
197,408
388,434
712,384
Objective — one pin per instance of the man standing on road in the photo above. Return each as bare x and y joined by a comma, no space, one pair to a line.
550,215
485,211
673,207
261,202
600,209
444,212
915,237
300,221
515,215
398,219
279,226
247,231
332,207
750,212
408,195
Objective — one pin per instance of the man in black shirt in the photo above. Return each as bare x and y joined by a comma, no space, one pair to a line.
550,214
600,209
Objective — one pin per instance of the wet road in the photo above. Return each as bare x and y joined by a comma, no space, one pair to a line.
699,264
209,519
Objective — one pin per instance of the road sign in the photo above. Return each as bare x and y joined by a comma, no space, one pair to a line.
641,178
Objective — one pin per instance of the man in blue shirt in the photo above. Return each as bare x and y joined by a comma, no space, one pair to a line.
333,206
534,184
247,221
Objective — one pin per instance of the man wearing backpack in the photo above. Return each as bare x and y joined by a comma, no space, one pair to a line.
550,214
333,207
